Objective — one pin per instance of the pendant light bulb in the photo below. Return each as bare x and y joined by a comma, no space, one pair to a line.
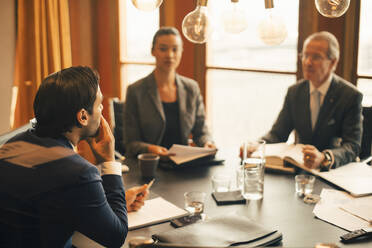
332,8
147,5
196,25
235,18
272,29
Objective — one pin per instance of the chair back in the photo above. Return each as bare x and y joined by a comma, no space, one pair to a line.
6,136
365,151
117,122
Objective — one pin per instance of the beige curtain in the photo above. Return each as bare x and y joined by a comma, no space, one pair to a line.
43,46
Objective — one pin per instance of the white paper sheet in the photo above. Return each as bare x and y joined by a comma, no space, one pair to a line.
154,211
360,207
328,209
355,178
188,153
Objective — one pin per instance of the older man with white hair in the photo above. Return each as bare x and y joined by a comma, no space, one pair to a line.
324,109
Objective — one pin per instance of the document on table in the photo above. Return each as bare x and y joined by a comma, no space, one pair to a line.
188,153
154,211
360,207
355,178
331,209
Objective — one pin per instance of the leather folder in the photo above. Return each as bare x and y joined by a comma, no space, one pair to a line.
222,231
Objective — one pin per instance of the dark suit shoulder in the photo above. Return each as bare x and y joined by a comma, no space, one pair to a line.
345,86
188,83
25,182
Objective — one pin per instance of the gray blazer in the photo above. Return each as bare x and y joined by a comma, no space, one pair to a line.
144,119
339,124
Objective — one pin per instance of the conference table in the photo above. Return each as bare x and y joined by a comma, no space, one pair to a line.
280,209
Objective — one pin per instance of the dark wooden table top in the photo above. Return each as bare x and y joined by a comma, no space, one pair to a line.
280,208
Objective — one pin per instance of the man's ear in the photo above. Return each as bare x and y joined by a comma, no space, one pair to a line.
334,63
82,117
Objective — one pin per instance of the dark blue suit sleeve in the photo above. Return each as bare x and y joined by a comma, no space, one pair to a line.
97,210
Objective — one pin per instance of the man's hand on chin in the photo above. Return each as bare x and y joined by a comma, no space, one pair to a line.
103,146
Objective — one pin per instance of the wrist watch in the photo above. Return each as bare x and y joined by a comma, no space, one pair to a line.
326,163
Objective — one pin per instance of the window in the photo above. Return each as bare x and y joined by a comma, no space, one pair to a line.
365,53
246,79
136,31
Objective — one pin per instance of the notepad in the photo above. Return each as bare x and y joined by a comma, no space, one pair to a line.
155,211
361,208
356,178
185,154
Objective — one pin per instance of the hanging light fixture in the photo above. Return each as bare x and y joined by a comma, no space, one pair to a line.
332,8
147,5
272,29
235,18
196,26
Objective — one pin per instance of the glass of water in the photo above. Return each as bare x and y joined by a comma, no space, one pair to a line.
304,184
253,169
194,202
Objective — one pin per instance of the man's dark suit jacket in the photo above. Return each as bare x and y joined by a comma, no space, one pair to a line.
339,123
48,202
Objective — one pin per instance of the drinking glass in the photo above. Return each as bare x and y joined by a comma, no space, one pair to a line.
253,169
194,202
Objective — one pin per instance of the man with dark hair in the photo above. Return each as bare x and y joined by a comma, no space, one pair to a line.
324,109
52,200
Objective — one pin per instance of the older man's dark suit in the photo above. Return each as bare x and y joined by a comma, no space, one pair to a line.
340,116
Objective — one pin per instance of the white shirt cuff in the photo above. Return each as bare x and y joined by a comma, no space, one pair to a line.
111,168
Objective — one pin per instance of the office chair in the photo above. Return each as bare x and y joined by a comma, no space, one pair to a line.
117,122
116,111
6,136
365,151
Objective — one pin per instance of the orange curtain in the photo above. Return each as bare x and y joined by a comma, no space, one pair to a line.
43,46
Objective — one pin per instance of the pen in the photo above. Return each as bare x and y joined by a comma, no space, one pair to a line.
150,184
148,187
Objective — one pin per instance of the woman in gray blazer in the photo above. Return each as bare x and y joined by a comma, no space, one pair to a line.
164,108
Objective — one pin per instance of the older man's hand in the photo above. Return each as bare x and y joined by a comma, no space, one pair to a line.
312,156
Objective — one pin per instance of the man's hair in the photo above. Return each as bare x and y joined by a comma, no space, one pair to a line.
165,31
61,96
333,46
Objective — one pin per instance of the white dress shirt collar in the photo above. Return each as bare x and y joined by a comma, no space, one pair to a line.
322,89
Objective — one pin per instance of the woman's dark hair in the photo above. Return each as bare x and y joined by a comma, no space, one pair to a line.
165,31
61,96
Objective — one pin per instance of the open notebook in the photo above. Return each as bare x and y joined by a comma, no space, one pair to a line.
280,154
155,211
356,177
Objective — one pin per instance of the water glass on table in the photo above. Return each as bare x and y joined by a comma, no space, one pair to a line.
304,184
253,169
221,182
194,202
